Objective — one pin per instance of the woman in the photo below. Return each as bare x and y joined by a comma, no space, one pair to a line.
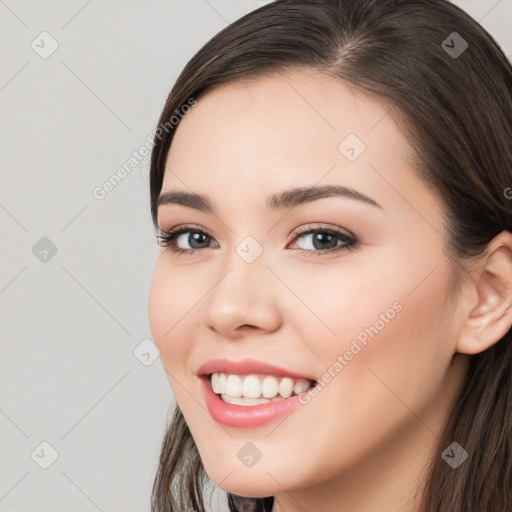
331,298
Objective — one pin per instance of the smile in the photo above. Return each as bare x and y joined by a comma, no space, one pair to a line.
255,389
253,411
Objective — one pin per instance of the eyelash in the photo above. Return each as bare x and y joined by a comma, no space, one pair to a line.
168,238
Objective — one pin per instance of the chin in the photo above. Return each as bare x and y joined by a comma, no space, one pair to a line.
259,481
247,487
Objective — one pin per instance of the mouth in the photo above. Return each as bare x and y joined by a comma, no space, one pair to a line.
249,393
255,389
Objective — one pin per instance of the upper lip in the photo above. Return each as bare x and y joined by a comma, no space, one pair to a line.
246,366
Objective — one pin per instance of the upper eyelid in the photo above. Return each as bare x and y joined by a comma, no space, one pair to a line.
309,227
297,231
294,235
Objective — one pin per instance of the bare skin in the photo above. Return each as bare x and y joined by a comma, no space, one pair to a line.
363,441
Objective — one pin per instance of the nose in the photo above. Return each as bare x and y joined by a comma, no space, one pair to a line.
244,298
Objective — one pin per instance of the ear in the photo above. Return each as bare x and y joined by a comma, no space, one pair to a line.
490,316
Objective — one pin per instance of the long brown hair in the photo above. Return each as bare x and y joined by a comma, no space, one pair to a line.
454,103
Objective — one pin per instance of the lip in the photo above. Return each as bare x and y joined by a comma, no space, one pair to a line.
243,416
248,366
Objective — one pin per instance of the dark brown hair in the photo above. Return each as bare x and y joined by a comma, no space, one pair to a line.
456,110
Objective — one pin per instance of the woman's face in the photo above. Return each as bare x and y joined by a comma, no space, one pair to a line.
370,322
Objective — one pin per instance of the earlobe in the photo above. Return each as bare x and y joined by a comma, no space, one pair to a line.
491,317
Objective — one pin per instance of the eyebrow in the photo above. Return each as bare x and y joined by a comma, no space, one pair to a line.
281,201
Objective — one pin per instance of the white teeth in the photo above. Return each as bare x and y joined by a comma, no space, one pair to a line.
215,382
234,386
269,387
219,383
222,382
253,389
249,401
286,387
244,401
301,385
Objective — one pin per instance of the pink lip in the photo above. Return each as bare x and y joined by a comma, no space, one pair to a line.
246,416
247,366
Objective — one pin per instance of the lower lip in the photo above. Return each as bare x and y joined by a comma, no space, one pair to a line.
246,416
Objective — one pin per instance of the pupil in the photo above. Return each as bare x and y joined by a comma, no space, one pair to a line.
322,237
196,238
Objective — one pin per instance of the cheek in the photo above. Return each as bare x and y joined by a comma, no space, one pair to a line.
385,317
336,304
395,349
170,302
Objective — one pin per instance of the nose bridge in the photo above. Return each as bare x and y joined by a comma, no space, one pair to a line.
243,272
246,261
242,293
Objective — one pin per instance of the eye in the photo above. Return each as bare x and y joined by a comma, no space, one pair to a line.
325,240
322,239
191,235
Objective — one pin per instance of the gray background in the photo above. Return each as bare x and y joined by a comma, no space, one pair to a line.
73,371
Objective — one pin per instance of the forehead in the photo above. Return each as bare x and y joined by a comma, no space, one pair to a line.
297,115
291,128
